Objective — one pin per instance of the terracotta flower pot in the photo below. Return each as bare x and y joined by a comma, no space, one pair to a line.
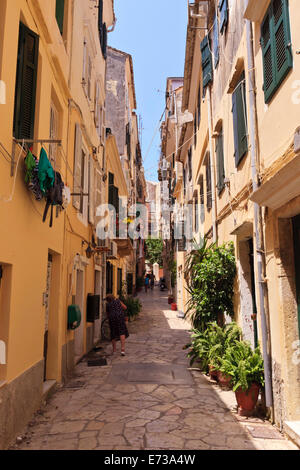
224,380
247,400
213,373
174,307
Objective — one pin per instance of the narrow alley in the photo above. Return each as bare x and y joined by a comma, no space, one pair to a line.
148,399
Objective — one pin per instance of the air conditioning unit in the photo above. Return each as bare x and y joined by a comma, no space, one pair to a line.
113,252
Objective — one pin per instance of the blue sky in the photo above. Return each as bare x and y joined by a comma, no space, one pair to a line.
154,33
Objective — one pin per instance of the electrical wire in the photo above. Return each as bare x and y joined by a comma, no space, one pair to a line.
154,135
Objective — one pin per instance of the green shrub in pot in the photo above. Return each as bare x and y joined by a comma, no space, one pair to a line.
243,365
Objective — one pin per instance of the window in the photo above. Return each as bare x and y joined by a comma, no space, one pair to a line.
216,41
120,280
220,161
208,183
91,191
207,70
109,278
223,7
190,155
239,111
128,141
87,71
98,110
276,46
81,176
26,81
102,30
60,13
54,135
199,106
201,191
196,213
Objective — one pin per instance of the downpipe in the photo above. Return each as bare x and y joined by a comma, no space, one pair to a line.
258,229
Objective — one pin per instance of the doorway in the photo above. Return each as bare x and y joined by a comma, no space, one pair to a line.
296,236
47,311
98,291
247,291
79,300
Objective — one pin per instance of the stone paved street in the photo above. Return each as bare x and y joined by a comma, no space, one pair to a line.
147,399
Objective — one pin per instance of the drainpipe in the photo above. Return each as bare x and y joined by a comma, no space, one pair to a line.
258,229
212,167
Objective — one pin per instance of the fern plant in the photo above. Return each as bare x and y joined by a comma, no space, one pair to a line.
243,365
209,346
220,340
199,349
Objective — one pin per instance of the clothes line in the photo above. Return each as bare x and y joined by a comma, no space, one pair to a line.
28,141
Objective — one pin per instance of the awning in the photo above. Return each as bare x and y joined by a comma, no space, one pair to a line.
281,188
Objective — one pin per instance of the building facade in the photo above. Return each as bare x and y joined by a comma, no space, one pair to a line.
57,164
238,160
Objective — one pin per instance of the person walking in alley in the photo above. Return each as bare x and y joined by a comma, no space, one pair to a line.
147,282
117,322
152,280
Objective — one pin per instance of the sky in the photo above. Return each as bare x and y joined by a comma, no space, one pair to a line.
154,33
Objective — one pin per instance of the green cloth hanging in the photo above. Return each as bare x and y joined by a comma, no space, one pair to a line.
46,172
30,164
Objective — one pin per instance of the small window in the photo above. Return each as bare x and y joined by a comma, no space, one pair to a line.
54,135
196,213
190,157
276,46
207,69
201,192
239,111
220,161
223,7
87,71
216,41
199,106
26,82
60,14
208,183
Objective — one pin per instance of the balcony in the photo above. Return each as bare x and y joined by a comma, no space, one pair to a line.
255,10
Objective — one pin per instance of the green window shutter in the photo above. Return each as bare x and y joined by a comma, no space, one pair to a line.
276,46
26,81
100,15
60,14
223,7
239,111
104,40
220,162
208,184
216,41
207,69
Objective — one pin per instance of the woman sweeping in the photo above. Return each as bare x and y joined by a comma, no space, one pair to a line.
117,322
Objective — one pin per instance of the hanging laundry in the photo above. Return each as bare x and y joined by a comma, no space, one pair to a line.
31,175
46,173
54,197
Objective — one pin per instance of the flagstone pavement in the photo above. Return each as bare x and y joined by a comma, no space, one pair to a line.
147,399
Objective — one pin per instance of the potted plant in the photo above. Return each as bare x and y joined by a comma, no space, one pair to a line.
220,340
133,305
198,349
246,369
